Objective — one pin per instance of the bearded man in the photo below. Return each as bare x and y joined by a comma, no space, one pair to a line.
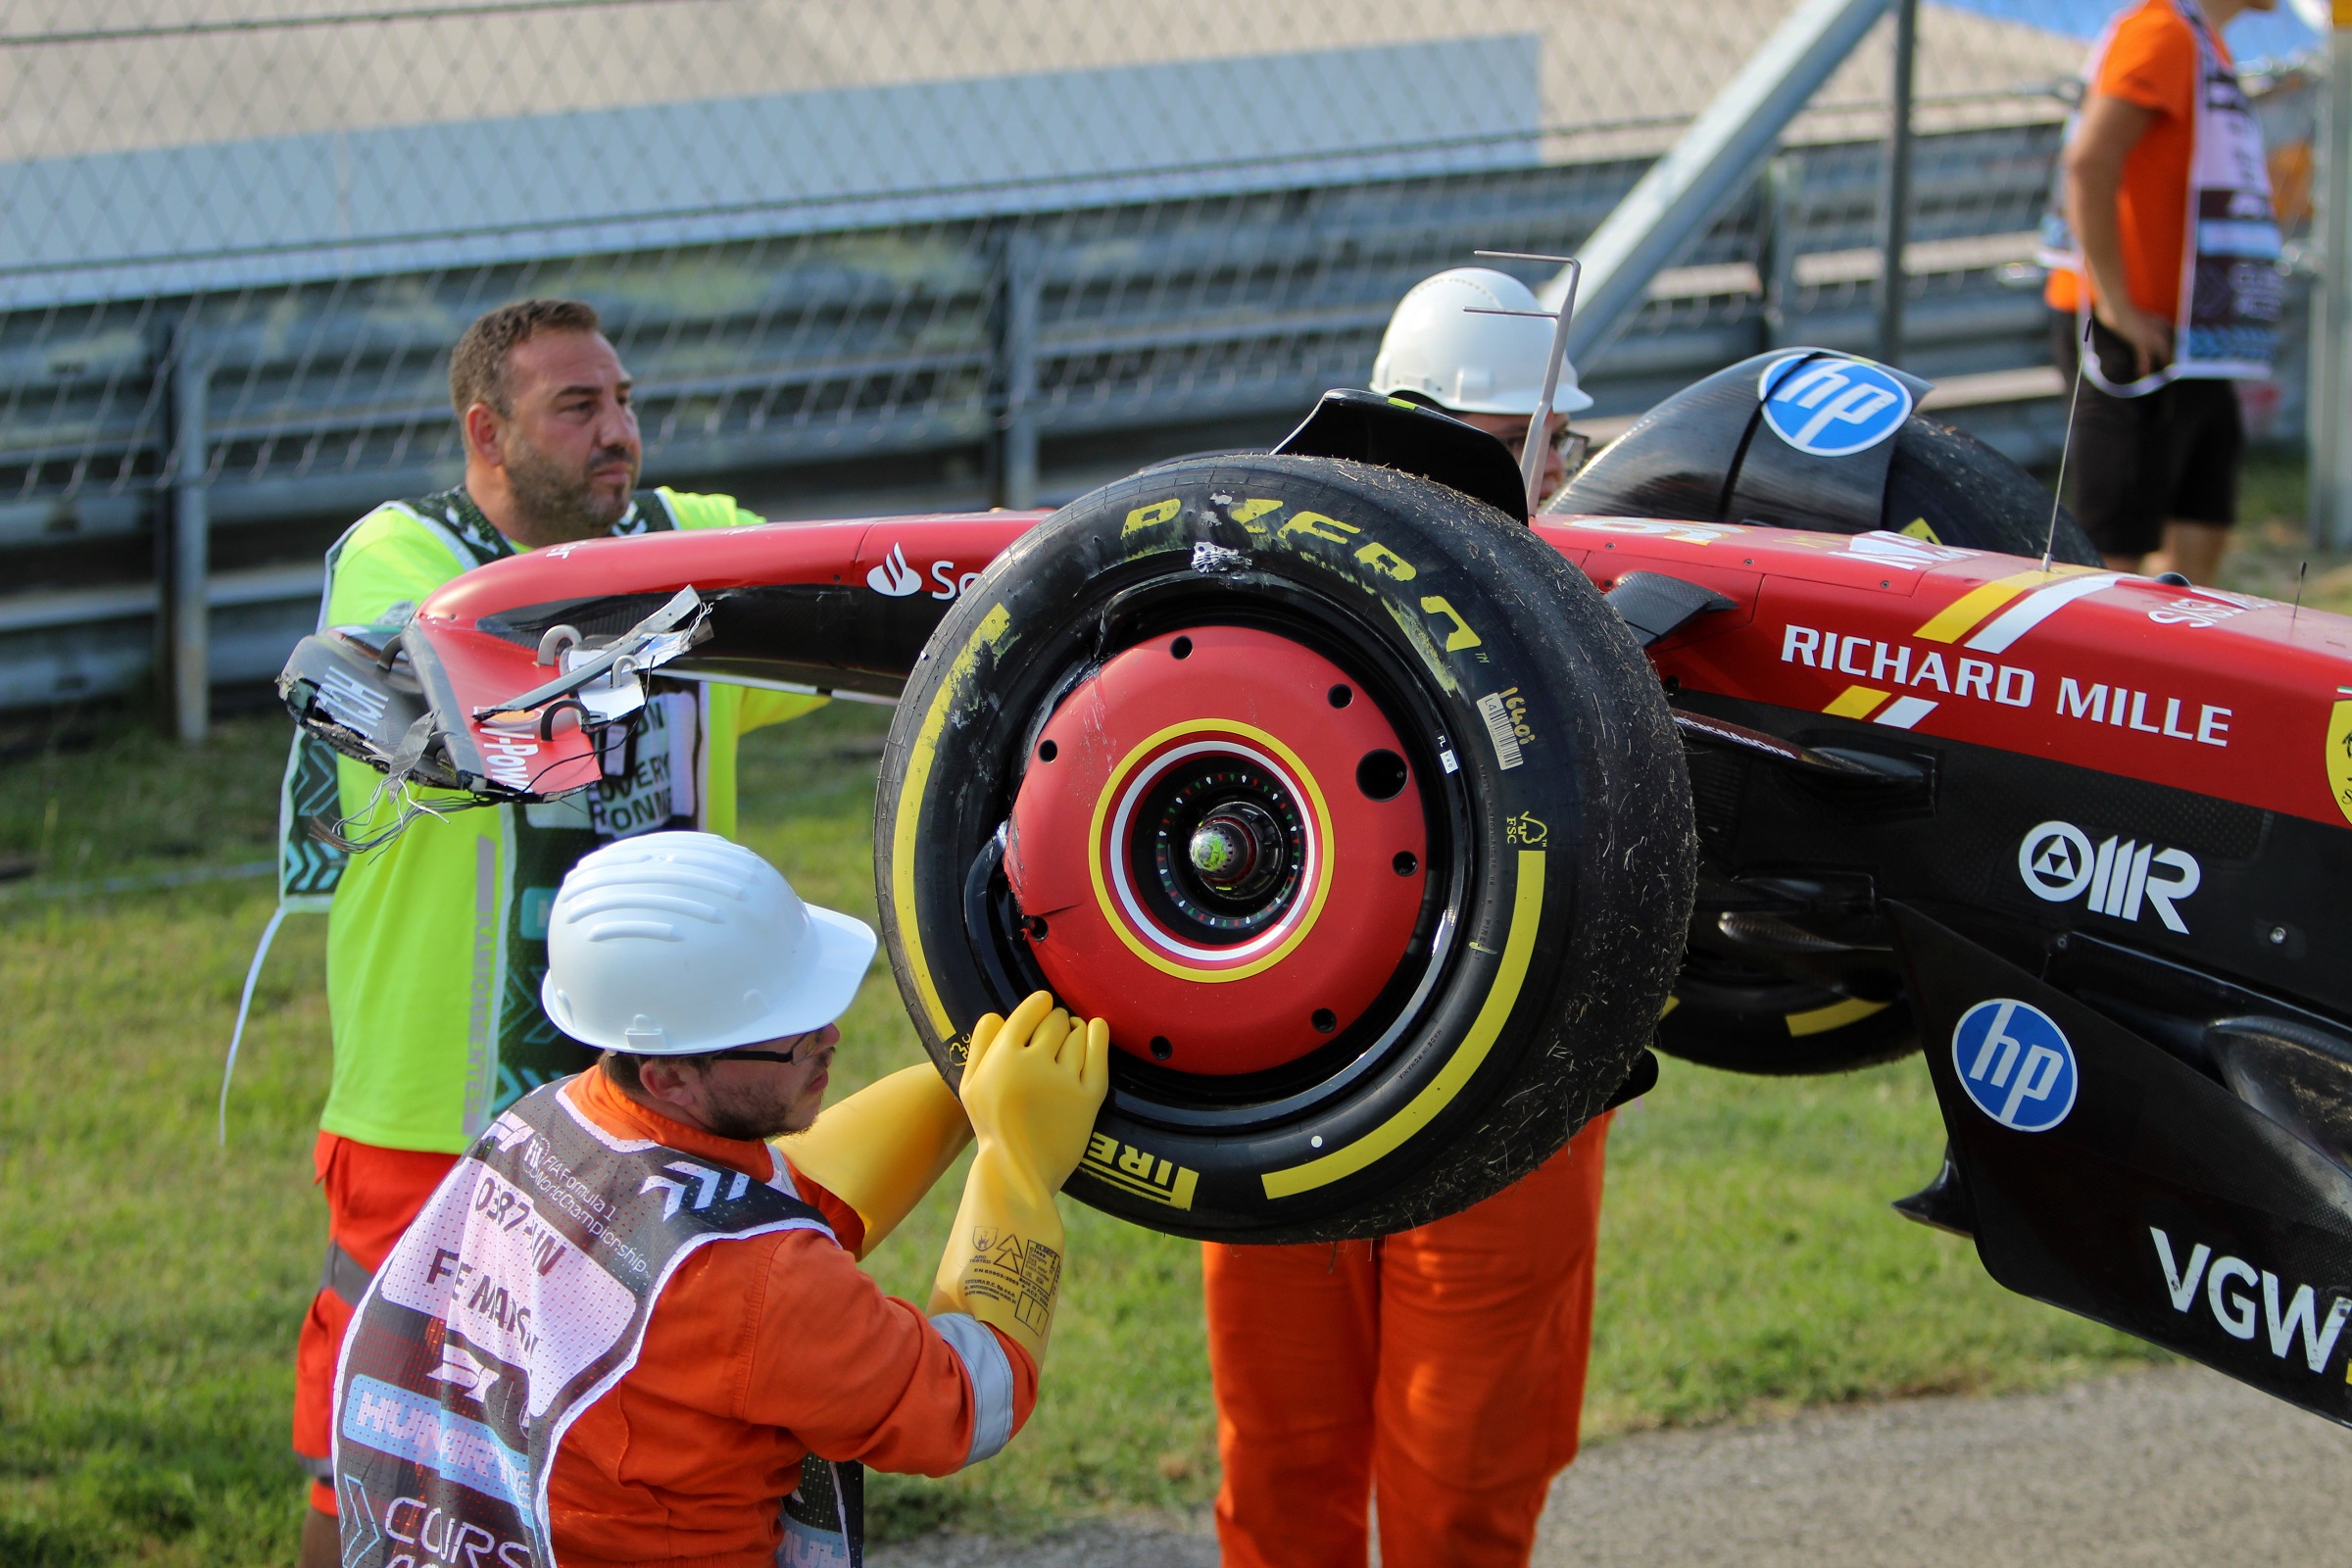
437,938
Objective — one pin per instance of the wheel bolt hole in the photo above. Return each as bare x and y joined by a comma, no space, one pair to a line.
1381,775
1161,1051
1341,695
1406,863
1181,648
1046,751
1325,1021
1037,928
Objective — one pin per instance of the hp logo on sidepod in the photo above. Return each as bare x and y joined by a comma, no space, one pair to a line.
2015,1063
1831,408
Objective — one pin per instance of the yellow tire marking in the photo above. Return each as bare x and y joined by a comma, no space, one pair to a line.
1855,702
1118,920
1152,516
1836,1016
1461,636
1672,1003
919,757
1527,908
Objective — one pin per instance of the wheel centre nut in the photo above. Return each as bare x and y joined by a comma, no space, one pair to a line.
1233,846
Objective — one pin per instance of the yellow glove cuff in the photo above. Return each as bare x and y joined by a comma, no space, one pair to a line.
1003,1262
881,1150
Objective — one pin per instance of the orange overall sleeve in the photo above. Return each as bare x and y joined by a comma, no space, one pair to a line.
761,1351
854,1374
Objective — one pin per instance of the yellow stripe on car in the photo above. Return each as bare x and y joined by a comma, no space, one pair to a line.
1959,617
1855,702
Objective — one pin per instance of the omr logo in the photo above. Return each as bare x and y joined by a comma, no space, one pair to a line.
894,577
2016,1064
2118,877
1832,407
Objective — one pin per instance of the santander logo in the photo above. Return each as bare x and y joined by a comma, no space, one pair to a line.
894,577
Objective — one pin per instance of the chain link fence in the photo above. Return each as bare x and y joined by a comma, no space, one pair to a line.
864,255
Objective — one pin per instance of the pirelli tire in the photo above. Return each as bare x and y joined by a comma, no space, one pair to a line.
1755,1021
1950,487
1341,793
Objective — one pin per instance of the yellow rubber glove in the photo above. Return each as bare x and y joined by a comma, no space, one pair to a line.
880,1149
1032,1097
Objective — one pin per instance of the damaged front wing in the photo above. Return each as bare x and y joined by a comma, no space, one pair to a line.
386,694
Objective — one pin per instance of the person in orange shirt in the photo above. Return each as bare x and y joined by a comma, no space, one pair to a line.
625,1329
2163,248
1443,1368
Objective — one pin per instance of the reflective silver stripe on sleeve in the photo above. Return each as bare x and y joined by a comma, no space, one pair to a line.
990,1373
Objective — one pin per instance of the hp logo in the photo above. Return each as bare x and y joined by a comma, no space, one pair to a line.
2016,1064
1831,408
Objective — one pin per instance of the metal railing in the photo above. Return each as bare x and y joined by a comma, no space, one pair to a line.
222,439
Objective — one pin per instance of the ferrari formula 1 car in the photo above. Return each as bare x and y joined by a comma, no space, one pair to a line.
1390,829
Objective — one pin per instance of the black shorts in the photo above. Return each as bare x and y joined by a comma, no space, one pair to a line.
2137,462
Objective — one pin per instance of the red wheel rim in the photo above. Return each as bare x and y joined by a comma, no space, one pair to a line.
1219,847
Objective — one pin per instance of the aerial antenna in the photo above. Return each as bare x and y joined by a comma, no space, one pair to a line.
2293,613
1530,450
2067,444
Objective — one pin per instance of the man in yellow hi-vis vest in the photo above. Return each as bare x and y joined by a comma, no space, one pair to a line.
437,939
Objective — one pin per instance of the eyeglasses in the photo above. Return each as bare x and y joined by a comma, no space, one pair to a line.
1572,445
788,1057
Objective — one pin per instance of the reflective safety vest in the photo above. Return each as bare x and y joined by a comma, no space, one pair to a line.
2232,295
436,941
520,1297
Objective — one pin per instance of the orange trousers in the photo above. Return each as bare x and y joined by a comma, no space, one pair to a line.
1441,1369
372,1196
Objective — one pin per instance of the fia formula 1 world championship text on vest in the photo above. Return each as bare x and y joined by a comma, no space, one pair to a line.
518,1298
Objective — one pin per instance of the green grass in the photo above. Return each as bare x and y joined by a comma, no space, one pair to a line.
151,1283
2273,542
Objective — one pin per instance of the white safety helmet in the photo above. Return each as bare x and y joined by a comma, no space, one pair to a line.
670,944
1466,363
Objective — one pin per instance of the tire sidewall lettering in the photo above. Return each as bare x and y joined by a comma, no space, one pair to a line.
1348,554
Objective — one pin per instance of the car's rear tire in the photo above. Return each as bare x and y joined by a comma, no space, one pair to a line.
1481,856
1947,485
1757,1021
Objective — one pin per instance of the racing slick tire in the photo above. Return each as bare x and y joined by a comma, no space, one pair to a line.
1744,1019
1951,488
1342,796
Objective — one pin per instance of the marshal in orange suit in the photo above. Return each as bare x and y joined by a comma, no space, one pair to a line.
1442,1370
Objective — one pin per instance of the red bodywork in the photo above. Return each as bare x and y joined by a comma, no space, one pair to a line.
2220,694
